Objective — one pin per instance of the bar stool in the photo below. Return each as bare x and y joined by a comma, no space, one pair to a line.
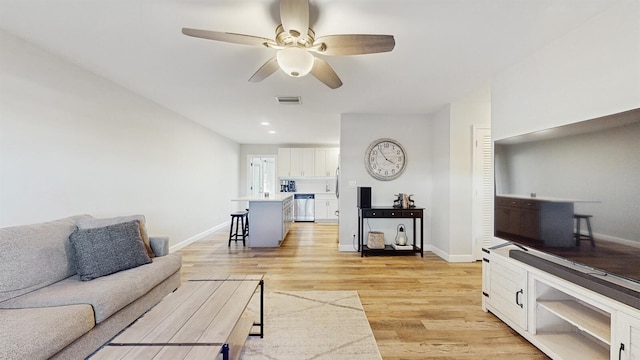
578,235
241,230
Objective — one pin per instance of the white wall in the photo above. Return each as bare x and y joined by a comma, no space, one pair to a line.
592,71
452,140
357,131
72,142
464,116
440,142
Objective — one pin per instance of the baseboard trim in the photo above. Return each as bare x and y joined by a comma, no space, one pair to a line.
450,258
613,239
346,248
438,252
197,237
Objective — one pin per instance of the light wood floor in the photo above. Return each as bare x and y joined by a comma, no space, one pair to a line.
418,308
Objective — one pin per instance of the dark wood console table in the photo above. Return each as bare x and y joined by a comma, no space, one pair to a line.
390,213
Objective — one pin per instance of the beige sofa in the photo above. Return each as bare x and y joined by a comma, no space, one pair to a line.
47,311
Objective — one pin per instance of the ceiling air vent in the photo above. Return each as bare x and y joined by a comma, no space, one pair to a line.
289,100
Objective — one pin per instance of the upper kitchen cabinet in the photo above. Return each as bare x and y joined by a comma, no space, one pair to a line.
284,162
326,161
296,162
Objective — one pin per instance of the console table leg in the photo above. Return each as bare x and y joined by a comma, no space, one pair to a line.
225,352
421,236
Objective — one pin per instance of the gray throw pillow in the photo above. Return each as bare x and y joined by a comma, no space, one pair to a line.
109,249
90,223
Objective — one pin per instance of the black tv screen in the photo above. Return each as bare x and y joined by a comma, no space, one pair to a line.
589,168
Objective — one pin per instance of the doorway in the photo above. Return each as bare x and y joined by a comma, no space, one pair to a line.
262,175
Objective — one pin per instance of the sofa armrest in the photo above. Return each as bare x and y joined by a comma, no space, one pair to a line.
159,245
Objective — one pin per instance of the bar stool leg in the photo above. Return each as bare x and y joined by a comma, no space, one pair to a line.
578,221
593,243
242,230
237,226
231,230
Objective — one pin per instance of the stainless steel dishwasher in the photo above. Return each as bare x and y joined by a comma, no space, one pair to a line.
305,207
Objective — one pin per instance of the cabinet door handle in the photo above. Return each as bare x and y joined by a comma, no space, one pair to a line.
518,298
620,351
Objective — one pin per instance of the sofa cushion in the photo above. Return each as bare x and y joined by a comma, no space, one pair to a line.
91,223
31,335
34,256
106,294
106,250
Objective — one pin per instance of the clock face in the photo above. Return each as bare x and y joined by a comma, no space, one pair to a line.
385,159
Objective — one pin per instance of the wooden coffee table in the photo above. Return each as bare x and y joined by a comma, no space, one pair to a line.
203,318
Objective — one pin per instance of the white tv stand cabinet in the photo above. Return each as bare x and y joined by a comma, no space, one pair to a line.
563,319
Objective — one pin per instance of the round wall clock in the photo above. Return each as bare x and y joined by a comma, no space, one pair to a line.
385,159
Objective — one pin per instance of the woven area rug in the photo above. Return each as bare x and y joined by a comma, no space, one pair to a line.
303,325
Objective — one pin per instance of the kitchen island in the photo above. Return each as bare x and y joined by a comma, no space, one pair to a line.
269,218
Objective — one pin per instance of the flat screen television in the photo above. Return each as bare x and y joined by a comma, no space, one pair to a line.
594,166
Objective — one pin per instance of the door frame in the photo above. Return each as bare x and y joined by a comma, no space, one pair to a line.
250,159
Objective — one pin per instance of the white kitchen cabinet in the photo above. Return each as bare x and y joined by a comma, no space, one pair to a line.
296,162
326,161
287,215
284,162
302,161
627,346
326,206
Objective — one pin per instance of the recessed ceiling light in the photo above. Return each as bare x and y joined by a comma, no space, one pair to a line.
272,131
264,123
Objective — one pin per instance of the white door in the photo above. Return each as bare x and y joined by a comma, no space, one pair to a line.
482,203
262,175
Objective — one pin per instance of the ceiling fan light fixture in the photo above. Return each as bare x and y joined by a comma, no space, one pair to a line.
295,61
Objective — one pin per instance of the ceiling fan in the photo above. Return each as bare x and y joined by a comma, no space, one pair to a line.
295,42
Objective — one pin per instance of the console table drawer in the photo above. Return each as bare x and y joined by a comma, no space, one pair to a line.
415,213
372,213
381,213
395,213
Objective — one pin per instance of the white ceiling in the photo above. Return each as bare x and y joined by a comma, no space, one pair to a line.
446,50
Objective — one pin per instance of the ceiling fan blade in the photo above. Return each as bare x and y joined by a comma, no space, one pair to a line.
265,70
323,72
352,44
294,15
228,37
